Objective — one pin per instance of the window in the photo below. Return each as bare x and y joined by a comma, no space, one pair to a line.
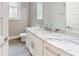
14,11
39,11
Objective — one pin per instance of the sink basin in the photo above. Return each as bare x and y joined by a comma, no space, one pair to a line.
55,36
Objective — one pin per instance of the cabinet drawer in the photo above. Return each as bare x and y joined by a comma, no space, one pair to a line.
53,50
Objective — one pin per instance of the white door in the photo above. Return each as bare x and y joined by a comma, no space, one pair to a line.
3,19
0,18
3,26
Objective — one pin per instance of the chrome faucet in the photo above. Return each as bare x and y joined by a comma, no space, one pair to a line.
48,27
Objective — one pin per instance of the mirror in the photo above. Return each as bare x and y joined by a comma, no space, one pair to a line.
55,14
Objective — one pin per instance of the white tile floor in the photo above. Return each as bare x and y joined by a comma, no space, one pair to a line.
18,49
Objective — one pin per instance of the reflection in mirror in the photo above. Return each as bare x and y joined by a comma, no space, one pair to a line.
55,15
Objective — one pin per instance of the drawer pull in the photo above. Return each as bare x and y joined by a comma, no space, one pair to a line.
52,51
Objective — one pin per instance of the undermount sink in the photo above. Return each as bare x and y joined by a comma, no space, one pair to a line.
63,39
55,36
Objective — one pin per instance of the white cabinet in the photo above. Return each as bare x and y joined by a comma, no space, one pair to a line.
34,44
49,50
28,42
28,39
53,51
39,47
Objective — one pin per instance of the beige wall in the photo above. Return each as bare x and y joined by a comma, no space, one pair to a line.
18,26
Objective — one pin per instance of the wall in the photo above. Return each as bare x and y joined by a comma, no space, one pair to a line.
18,26
33,13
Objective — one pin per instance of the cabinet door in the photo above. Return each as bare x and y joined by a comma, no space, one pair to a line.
34,44
4,49
37,46
54,51
29,42
28,39
48,52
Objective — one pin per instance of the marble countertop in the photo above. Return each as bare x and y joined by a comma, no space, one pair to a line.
64,42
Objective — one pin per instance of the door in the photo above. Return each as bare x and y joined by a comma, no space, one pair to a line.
1,18
3,26
34,44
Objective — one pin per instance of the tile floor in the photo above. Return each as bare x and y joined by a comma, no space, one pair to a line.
17,48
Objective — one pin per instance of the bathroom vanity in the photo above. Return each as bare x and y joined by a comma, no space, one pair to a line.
44,43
